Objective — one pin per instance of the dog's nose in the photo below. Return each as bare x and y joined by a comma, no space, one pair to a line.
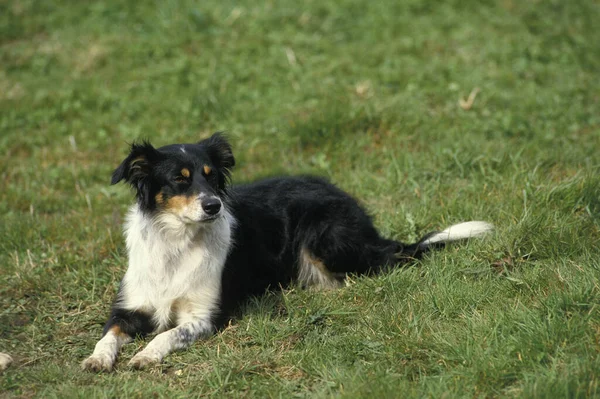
211,206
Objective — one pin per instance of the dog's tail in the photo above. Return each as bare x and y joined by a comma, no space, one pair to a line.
437,239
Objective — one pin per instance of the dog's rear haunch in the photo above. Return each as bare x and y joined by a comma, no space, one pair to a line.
198,248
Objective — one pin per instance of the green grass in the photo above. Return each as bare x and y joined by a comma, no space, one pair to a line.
365,93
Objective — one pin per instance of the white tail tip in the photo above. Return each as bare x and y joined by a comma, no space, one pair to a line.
459,231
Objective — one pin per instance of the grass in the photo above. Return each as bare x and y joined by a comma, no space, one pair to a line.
365,93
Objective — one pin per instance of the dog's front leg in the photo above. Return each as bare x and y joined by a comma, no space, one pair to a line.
106,350
121,327
176,338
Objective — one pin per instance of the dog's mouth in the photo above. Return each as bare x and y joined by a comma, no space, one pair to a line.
203,220
209,219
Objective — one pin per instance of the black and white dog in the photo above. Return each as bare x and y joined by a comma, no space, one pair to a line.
198,248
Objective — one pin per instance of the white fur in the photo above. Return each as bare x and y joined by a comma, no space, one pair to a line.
176,338
105,352
459,231
170,260
175,265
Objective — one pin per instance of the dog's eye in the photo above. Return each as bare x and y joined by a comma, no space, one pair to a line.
180,179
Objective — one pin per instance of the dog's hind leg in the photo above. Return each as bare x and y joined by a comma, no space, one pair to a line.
336,239
312,272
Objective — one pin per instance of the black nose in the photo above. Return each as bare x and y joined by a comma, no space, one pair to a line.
211,206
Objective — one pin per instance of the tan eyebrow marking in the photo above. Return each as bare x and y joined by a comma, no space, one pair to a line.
185,172
207,170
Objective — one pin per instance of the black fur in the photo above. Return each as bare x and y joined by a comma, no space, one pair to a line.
132,323
279,216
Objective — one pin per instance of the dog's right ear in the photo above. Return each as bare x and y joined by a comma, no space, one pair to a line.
137,166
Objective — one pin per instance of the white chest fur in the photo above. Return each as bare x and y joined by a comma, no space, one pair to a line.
175,269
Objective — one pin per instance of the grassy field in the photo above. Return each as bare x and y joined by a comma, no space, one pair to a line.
373,95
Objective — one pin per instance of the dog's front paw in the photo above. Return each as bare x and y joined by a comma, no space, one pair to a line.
98,363
143,360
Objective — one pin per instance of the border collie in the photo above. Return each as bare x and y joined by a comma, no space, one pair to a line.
198,248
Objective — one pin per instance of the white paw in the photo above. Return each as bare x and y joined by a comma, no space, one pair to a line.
143,360
5,361
98,363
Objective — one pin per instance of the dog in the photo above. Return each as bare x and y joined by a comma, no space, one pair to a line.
198,247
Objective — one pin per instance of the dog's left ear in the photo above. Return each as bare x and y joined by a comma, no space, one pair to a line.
219,150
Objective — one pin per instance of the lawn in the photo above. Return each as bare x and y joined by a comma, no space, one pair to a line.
429,112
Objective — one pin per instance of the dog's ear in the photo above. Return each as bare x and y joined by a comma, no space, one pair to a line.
221,155
219,150
137,166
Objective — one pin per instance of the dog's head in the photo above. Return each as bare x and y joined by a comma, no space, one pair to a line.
187,181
